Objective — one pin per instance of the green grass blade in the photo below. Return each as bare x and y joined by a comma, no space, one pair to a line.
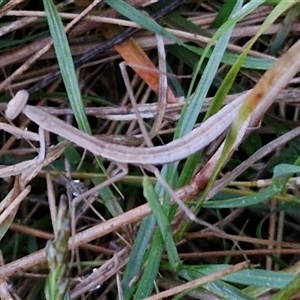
191,56
138,250
162,222
142,19
65,61
261,196
145,285
289,291
244,112
192,111
218,287
244,201
223,14
242,12
66,65
169,171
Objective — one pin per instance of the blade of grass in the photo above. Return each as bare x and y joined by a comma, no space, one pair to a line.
66,65
137,254
145,285
229,58
260,280
65,61
162,222
289,291
142,19
244,113
201,92
238,15
256,277
146,282
223,14
168,172
282,34
244,201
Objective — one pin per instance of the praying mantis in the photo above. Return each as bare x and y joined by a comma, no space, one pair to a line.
261,97
243,112
257,100
176,150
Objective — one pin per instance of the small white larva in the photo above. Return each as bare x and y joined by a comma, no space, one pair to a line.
16,104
